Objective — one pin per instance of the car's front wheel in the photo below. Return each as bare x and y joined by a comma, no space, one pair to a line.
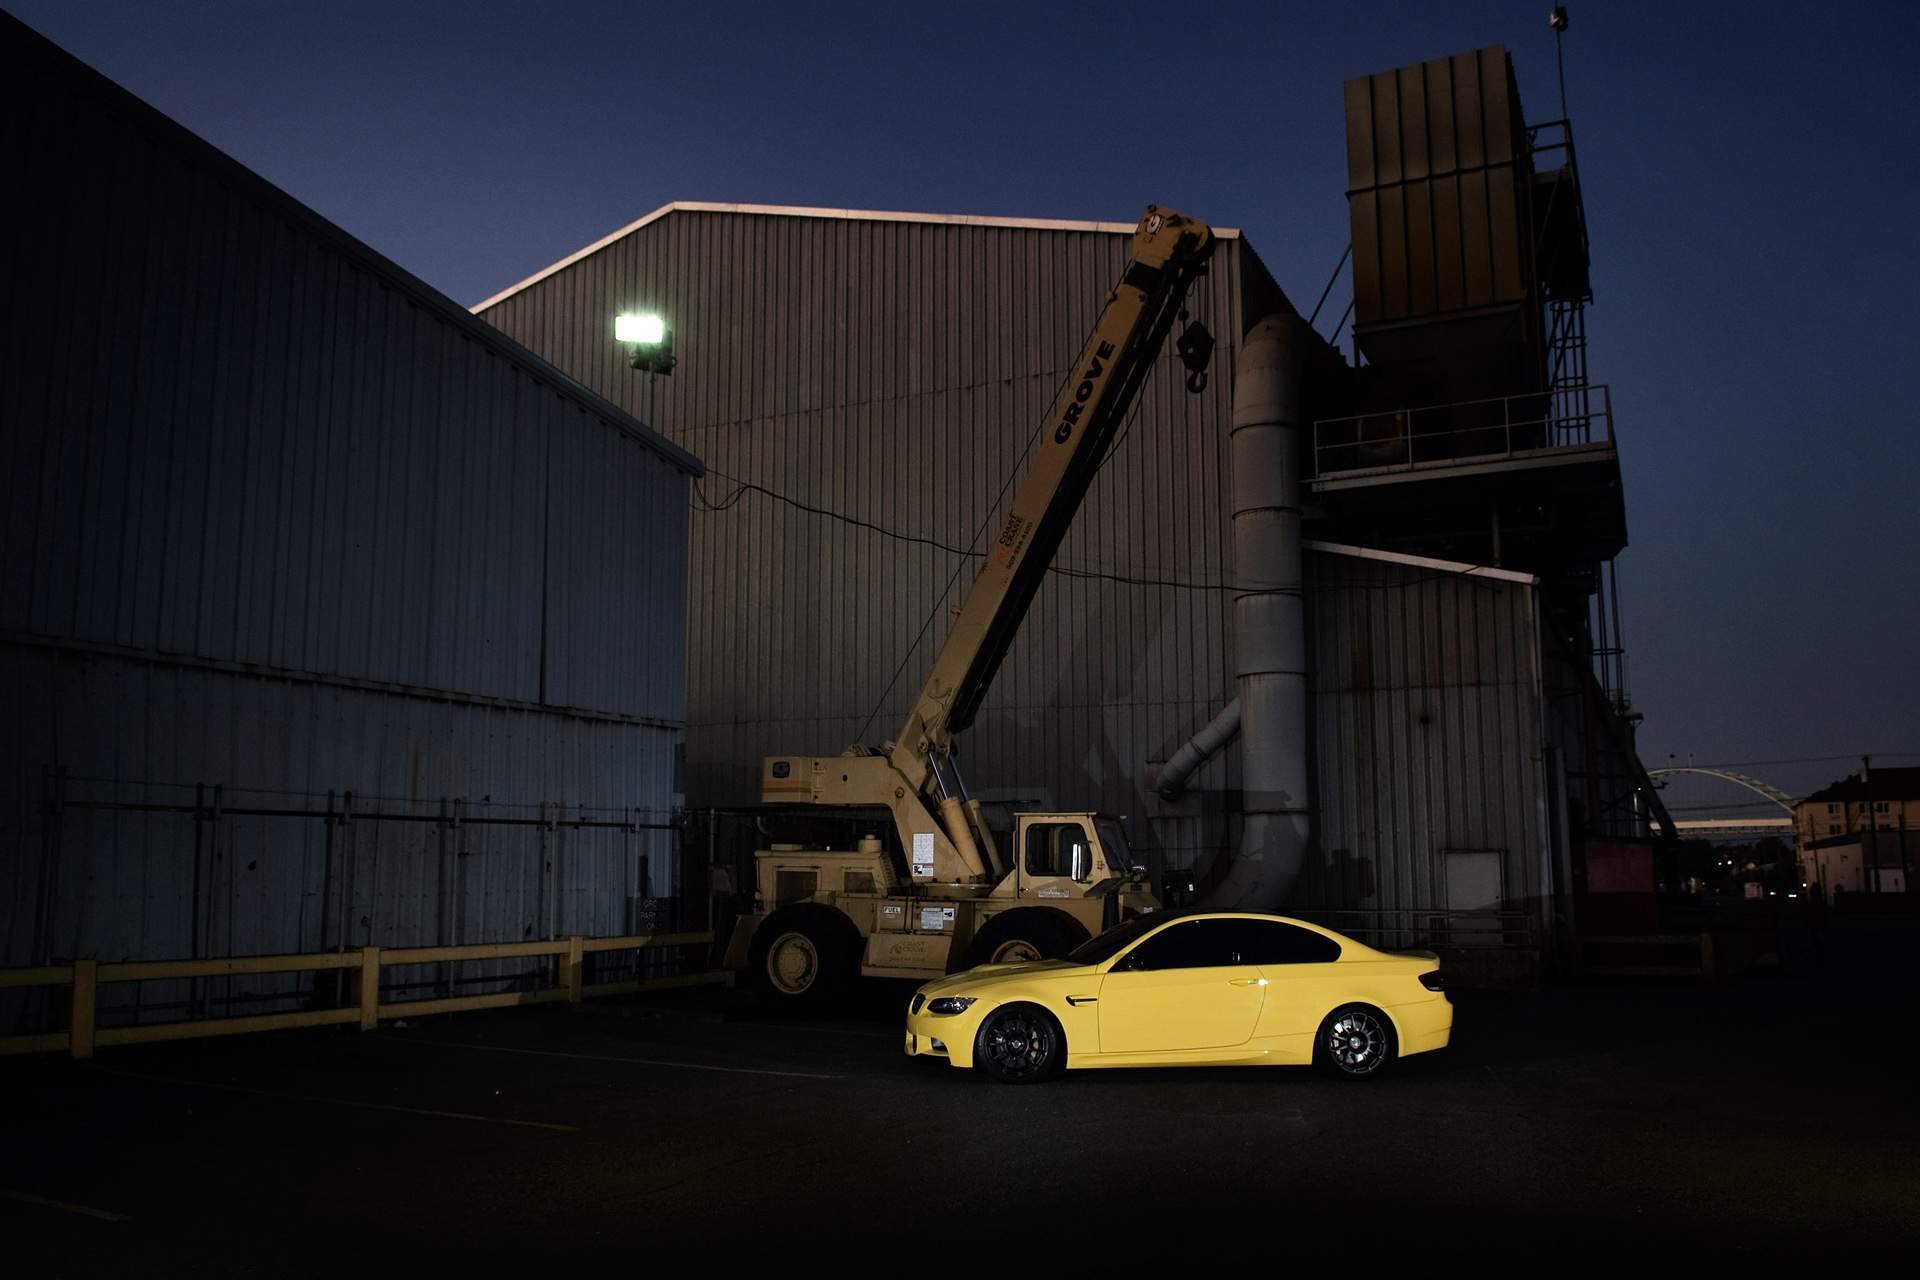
1355,1042
1020,1044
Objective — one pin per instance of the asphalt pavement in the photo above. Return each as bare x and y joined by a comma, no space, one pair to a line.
1767,1119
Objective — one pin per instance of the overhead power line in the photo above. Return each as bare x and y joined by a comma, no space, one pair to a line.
743,487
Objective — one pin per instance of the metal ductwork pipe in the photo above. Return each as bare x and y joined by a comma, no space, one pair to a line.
1200,748
1269,618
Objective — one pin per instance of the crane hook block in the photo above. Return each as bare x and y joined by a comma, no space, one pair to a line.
1195,349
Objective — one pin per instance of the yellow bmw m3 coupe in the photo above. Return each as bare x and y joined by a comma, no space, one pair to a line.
1214,989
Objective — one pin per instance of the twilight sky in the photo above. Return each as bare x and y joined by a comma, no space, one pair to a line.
1751,175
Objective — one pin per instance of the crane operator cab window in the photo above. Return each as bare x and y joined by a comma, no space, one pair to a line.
1059,849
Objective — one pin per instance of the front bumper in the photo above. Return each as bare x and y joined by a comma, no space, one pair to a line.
949,1036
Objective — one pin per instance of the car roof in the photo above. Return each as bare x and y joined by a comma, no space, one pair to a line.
1180,917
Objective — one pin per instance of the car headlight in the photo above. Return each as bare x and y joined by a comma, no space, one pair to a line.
949,1005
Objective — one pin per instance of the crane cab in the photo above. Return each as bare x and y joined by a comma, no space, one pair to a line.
1066,855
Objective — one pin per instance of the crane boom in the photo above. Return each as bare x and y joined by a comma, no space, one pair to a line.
1168,251
944,832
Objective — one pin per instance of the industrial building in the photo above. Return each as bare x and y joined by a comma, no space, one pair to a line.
863,385
329,615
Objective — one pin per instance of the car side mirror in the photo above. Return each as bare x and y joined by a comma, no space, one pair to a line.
1079,861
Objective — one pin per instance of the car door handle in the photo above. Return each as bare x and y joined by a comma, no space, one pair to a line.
1248,982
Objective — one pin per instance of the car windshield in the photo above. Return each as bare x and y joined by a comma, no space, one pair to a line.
1113,941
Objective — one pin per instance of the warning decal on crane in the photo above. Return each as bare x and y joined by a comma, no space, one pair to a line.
923,853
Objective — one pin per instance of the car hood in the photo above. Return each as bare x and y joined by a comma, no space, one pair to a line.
995,975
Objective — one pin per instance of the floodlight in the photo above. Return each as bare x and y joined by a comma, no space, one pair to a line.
647,330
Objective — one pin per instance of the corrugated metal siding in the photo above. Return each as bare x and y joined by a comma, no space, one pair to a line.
142,885
1435,168
1426,714
226,440
894,371
279,518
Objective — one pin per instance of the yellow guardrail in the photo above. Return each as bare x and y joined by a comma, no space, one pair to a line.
85,978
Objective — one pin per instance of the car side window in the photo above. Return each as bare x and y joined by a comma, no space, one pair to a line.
1197,944
1052,848
1270,942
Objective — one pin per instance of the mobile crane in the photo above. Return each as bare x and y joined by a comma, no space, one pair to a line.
948,896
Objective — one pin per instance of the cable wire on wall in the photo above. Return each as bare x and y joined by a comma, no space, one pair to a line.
743,487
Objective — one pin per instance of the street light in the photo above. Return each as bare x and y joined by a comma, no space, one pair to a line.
648,340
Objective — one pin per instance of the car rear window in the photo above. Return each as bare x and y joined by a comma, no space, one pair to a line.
1271,942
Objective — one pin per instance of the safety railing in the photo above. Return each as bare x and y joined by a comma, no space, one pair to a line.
84,978
1476,430
1426,926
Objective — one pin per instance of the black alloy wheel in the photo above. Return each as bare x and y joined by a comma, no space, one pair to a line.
1355,1042
1020,1044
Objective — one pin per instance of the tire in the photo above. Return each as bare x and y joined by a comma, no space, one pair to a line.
1356,1042
801,958
1019,936
1020,1044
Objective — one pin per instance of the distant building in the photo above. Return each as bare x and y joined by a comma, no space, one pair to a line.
1865,862
1861,834
1871,800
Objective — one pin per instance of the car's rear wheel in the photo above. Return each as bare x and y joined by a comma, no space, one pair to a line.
1020,1044
1356,1042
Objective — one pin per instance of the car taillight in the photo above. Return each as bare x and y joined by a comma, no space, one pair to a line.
1432,980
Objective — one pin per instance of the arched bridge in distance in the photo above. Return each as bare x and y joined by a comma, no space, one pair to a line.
1739,804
